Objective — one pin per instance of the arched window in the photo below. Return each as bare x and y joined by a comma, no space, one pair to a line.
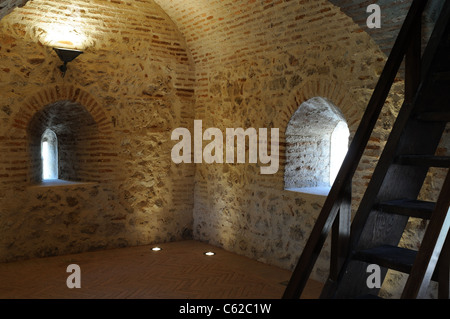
66,145
49,155
317,139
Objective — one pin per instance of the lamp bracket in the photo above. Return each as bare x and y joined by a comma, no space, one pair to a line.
66,56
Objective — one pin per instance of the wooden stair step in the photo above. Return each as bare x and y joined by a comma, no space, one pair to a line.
424,160
441,76
434,117
406,207
392,257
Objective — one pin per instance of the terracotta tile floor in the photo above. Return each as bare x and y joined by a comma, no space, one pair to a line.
179,271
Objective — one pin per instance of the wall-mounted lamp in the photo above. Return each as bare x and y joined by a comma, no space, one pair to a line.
66,56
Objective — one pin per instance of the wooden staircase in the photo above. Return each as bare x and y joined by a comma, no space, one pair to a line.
392,194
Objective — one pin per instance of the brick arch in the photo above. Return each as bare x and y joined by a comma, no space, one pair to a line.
52,94
339,94
89,155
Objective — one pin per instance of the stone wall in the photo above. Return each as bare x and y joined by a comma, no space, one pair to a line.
256,63
148,69
113,113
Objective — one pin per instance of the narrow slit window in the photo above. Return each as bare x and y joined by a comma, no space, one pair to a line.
339,149
49,155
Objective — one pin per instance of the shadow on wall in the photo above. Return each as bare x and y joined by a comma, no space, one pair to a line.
393,13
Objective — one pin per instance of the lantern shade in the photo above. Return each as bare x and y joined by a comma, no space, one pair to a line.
67,55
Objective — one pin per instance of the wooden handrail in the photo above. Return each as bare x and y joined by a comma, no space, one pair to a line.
338,192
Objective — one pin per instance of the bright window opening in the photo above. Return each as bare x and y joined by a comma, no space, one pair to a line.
317,138
339,148
49,155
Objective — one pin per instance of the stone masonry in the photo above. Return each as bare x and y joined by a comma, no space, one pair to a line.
151,66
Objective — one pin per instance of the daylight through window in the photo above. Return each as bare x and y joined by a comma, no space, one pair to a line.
49,155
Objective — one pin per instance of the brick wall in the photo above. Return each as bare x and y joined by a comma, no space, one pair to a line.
256,63
113,113
86,152
150,68
393,13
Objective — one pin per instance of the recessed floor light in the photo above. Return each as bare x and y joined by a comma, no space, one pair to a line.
209,253
156,248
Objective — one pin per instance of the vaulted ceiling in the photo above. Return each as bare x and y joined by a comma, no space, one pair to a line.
196,18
